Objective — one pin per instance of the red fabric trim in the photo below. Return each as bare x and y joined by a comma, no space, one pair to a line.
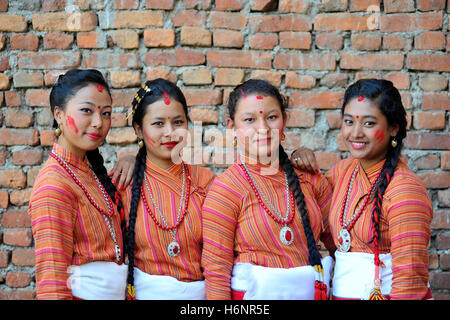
237,295
76,298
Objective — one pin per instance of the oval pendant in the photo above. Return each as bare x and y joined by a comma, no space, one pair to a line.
286,235
344,240
173,249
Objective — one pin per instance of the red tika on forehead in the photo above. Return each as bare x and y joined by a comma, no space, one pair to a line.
166,98
360,98
259,97
100,88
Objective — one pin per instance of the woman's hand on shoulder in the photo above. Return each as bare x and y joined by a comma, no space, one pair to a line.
305,159
122,172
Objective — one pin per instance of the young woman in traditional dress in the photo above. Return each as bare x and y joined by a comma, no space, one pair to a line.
381,212
76,213
261,218
165,199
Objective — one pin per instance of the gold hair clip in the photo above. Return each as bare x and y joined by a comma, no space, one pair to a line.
138,99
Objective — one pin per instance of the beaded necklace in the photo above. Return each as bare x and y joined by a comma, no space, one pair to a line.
174,247
107,216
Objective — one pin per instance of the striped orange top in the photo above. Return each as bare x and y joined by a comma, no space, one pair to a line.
67,228
236,228
150,249
404,224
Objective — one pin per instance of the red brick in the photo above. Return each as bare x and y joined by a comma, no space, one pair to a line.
47,137
37,98
20,197
396,42
430,161
430,5
53,5
27,157
326,160
188,57
263,5
399,6
4,82
136,19
31,176
444,261
334,120
429,41
102,59
298,6
441,219
155,73
228,38
4,199
228,20
423,141
428,120
90,40
366,42
16,219
306,61
277,23
229,5
404,22
444,198
316,100
433,82
62,21
299,81
24,42
10,137
229,77
124,136
203,97
329,41
264,41
28,79
300,118
12,178
126,4
435,101
376,61
201,76
197,4
126,39
125,79
340,22
12,99
17,294
195,36
400,80
442,243
238,58
363,5
159,4
205,116
4,64
48,60
435,180
4,258
18,279
159,38
294,140
18,118
3,5
295,40
445,160
60,41
13,23
23,257
18,237
189,18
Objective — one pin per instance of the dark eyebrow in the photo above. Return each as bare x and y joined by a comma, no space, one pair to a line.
92,104
363,117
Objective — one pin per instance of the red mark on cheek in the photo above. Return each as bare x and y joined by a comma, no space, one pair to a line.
71,124
168,118
259,97
100,88
166,98
379,135
360,98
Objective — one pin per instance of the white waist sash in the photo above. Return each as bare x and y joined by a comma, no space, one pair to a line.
264,283
99,280
354,274
157,287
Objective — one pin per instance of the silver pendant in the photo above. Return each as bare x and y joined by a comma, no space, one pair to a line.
344,240
118,254
173,249
286,235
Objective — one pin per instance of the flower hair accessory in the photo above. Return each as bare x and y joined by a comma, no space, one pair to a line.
137,98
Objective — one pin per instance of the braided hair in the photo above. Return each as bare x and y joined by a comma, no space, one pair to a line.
63,90
388,100
263,87
149,93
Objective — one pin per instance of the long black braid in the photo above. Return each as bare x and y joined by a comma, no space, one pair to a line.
149,93
388,100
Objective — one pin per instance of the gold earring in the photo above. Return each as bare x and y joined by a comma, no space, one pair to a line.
283,137
58,131
235,142
141,143
394,143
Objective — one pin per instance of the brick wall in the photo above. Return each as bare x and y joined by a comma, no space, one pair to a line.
310,49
